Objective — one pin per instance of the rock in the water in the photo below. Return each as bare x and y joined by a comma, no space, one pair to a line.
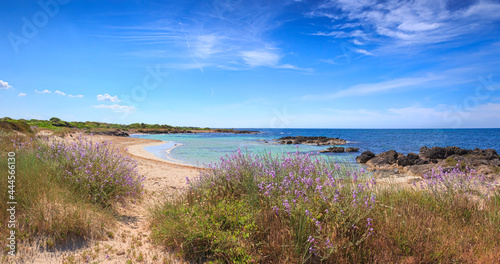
365,156
351,149
318,141
333,149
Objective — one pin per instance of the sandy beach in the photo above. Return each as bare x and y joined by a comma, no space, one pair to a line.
131,235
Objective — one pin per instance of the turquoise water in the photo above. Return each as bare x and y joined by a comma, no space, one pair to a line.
204,148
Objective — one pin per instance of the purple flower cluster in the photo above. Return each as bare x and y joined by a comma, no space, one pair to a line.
456,181
97,169
329,196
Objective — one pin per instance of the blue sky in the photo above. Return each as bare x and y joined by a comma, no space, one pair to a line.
269,64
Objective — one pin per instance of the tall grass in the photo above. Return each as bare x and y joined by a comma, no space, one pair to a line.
269,209
299,209
51,202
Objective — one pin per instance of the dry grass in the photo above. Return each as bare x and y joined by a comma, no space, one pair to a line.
46,208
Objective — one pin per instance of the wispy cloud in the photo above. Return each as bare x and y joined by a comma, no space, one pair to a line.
117,108
407,22
4,85
108,98
226,34
60,93
21,94
260,58
374,88
75,96
44,91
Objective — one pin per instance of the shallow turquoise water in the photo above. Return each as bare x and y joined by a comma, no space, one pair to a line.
201,149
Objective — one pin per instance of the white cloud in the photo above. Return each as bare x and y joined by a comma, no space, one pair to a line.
4,85
108,98
362,51
204,46
222,34
21,94
409,22
44,91
260,58
373,88
75,96
60,93
357,42
117,108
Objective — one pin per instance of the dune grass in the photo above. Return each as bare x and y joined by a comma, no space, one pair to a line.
298,209
61,189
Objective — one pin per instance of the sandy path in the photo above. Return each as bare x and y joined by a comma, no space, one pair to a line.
129,242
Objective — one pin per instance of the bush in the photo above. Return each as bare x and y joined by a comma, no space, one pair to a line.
46,207
267,208
101,173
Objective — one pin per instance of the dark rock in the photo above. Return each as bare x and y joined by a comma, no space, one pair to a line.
450,151
421,162
365,156
437,153
424,152
408,160
434,161
490,154
318,141
351,149
333,149
390,156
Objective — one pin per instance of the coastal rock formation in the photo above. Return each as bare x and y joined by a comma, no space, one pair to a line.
365,156
351,149
318,141
485,161
333,150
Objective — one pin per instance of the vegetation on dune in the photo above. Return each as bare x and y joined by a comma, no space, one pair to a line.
64,190
55,123
62,127
9,124
297,209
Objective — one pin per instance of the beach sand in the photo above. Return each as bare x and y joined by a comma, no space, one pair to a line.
164,179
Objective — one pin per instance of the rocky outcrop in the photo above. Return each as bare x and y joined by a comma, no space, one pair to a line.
365,156
485,160
318,141
339,150
351,149
333,150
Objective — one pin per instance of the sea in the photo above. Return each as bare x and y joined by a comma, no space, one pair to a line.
202,149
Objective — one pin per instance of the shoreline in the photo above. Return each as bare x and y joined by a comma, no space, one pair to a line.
140,151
